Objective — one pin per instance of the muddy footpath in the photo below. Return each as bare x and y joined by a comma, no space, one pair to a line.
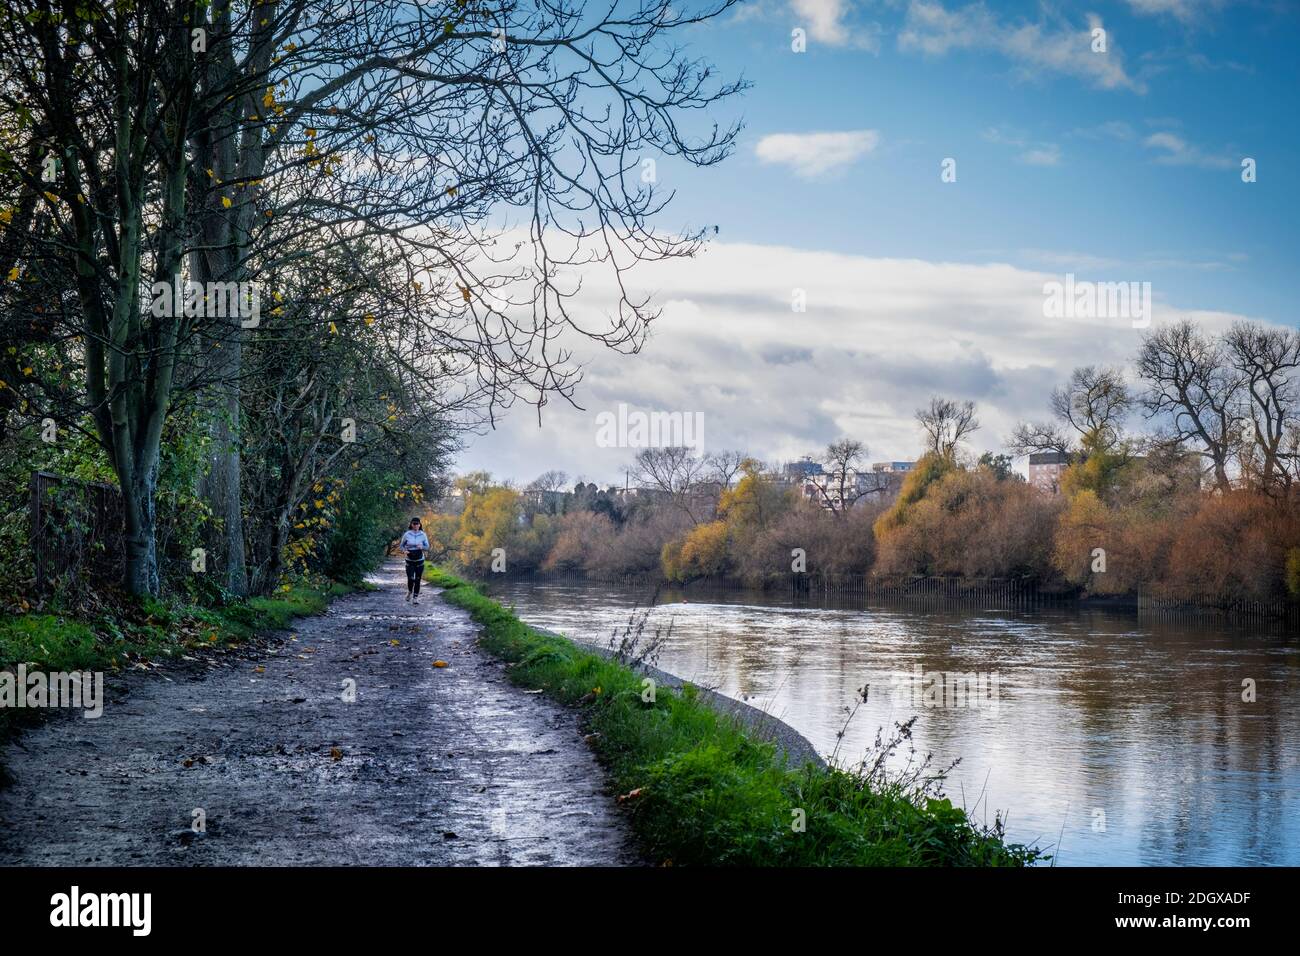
336,743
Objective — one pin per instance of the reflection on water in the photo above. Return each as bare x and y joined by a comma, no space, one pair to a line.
1128,739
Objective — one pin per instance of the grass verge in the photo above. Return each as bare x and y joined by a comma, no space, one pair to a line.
701,791
110,641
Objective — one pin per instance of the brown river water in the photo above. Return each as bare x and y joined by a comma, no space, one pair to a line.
1108,738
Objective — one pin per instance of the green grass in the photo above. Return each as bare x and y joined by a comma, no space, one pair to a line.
700,790
58,642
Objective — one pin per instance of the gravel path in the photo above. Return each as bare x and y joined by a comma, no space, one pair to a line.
429,765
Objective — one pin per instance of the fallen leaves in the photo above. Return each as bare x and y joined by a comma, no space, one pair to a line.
441,664
336,753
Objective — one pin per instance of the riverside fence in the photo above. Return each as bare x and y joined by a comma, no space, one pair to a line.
1200,607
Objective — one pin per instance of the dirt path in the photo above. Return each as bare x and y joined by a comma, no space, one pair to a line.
429,765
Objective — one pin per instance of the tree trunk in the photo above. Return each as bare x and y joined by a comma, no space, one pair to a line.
141,573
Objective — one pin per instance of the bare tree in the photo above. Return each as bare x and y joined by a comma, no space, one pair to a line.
1192,386
1092,405
550,481
724,466
1094,402
675,472
1267,359
844,484
946,424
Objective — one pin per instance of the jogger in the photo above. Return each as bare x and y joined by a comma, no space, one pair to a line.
414,573
414,543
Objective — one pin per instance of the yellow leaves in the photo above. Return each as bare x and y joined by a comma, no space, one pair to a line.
290,47
369,319
259,670
464,292
6,216
277,296
27,370
52,197
318,487
318,503
310,132
225,202
334,329
268,214
395,643
441,664
268,100
14,273
211,174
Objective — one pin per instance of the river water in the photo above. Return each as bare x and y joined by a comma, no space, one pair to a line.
1112,739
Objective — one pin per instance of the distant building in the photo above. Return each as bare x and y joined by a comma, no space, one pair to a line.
880,485
797,471
1045,470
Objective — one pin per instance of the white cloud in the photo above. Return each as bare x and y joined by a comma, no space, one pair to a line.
1183,10
1036,48
878,338
815,154
1049,155
1173,150
1034,154
1113,129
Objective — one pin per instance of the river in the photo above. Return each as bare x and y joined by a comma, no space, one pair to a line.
1125,740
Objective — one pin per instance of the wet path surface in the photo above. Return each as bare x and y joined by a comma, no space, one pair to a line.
429,765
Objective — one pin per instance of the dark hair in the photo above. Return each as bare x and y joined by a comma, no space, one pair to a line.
415,520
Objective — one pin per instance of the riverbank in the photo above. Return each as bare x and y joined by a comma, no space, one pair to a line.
701,789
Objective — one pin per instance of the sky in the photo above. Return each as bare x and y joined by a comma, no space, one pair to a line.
1117,166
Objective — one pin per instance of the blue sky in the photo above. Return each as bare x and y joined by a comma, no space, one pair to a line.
1115,166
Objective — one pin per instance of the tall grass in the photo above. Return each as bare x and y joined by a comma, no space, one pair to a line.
700,790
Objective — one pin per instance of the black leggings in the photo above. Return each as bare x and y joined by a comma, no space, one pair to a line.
414,574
